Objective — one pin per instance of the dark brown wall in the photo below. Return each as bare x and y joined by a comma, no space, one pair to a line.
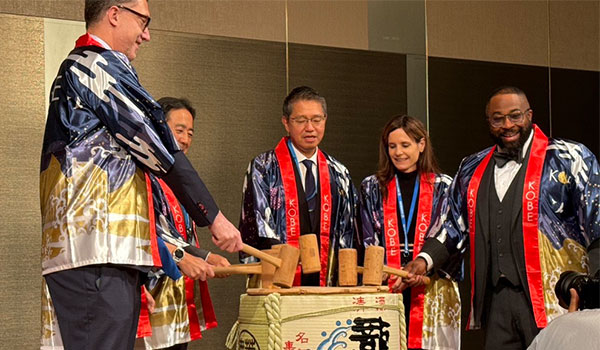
458,90
359,100
575,105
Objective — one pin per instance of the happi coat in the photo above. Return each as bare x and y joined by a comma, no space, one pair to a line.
560,216
435,308
271,206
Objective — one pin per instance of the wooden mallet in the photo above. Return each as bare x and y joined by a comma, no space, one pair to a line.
309,254
373,270
285,265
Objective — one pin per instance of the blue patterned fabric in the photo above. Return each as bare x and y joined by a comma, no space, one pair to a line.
569,212
103,132
263,204
371,207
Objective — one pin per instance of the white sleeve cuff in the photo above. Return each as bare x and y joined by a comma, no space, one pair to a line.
428,260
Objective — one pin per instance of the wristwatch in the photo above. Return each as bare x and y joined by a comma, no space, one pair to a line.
178,254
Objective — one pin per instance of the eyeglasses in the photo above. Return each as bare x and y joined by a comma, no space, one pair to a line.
140,15
316,121
516,117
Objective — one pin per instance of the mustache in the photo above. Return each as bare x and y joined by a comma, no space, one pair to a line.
510,131
523,132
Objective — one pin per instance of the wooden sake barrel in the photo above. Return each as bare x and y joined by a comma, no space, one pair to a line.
317,317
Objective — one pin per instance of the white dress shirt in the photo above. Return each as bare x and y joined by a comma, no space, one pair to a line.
300,157
503,177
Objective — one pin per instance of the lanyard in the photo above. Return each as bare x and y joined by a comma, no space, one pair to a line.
405,223
295,159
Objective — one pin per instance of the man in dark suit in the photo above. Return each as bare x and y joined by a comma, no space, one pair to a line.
296,189
528,208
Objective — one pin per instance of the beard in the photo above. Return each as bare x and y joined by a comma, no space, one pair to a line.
512,148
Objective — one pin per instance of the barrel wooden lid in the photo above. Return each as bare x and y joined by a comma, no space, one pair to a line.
318,290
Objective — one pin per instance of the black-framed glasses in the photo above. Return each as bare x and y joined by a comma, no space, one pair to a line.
515,117
316,121
140,15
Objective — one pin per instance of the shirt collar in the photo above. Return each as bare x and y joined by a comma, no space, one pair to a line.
302,157
121,55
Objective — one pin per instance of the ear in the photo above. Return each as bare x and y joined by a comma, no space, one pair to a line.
285,123
113,15
421,145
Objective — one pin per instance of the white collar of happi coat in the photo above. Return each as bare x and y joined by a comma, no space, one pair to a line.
100,41
302,157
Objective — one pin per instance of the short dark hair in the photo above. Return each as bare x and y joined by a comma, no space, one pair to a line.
94,9
171,103
503,90
302,93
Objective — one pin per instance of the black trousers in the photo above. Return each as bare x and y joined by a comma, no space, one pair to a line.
510,322
97,306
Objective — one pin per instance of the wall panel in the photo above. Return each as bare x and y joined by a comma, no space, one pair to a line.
458,90
575,34
576,106
497,31
236,87
23,118
329,23
397,26
60,9
363,90
256,19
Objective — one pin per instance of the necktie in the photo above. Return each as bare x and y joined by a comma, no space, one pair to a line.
310,188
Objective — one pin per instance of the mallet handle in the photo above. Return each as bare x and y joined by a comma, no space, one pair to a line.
395,272
244,269
273,260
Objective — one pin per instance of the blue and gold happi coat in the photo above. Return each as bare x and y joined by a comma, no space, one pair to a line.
441,306
568,214
103,132
263,206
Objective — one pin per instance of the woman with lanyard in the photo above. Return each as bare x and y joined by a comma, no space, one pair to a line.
396,208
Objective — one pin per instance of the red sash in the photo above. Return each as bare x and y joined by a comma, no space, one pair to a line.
87,40
531,191
207,307
392,247
292,212
144,328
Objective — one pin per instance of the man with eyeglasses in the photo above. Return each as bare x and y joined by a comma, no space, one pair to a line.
298,189
527,209
101,234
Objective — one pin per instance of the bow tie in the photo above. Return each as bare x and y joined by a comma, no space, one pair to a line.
503,158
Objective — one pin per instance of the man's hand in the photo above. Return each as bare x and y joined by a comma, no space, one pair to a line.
195,268
416,270
225,235
150,302
574,303
217,260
